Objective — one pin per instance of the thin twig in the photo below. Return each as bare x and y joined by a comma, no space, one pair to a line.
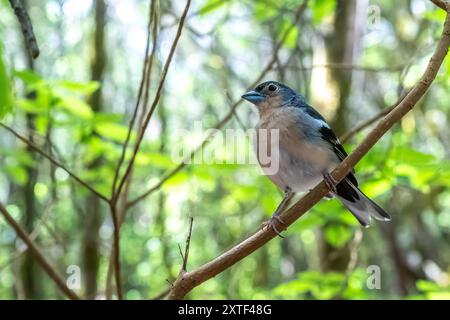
155,100
181,252
55,162
348,135
36,252
155,34
116,194
190,280
116,250
225,119
114,261
144,77
33,235
186,249
27,27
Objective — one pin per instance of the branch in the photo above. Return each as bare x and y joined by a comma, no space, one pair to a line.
227,117
116,250
27,27
444,5
54,161
114,261
156,99
33,235
155,35
190,280
36,252
144,83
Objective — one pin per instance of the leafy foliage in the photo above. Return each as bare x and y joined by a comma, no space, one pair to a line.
224,48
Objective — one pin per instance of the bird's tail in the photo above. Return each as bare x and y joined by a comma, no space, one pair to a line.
359,204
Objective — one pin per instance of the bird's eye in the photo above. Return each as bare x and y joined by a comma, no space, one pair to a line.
272,87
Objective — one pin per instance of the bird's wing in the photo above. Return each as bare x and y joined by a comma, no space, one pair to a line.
328,136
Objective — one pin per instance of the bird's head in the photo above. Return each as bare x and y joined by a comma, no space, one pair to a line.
270,95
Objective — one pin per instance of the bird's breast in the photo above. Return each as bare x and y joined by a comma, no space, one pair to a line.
300,161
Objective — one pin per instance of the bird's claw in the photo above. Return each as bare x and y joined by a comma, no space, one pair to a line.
272,224
330,182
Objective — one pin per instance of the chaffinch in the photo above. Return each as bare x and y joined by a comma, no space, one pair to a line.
308,151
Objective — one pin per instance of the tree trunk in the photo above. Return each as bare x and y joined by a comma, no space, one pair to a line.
30,271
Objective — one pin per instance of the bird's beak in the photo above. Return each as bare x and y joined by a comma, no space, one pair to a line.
254,97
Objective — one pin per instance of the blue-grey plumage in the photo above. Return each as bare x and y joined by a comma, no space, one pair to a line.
308,150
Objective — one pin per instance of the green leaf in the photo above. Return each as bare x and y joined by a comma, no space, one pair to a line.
263,12
17,173
76,107
30,106
28,76
113,131
423,285
158,160
439,295
6,97
176,180
86,88
435,15
108,117
211,5
321,9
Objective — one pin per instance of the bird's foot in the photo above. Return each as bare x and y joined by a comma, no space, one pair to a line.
330,182
272,223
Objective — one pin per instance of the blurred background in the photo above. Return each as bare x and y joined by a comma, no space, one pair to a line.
351,59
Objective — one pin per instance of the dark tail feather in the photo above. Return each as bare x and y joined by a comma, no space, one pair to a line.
359,204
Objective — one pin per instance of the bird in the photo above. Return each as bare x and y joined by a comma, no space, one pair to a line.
308,151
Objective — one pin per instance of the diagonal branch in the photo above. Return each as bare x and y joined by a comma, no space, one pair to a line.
36,252
443,4
54,161
227,117
188,281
